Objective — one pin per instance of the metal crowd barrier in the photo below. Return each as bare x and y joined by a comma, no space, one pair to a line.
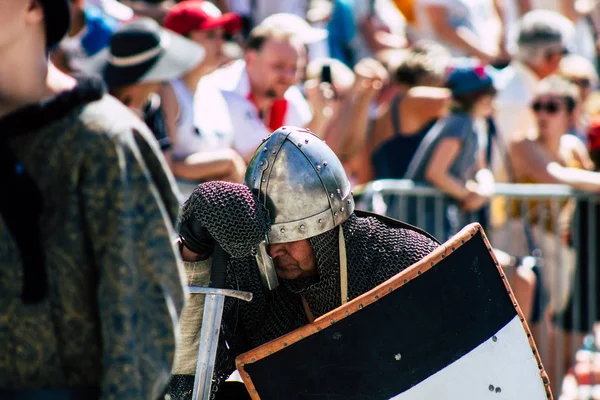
553,227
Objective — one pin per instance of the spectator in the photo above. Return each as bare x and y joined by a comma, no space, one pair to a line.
349,98
139,58
261,91
91,286
89,33
420,102
201,143
550,155
342,32
541,39
581,72
449,157
469,28
381,26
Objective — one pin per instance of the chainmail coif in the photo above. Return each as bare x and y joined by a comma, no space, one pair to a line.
375,252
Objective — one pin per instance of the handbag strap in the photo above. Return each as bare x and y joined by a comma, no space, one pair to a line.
418,158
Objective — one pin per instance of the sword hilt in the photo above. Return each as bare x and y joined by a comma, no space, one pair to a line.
238,294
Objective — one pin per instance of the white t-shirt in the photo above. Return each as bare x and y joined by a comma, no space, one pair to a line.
513,115
477,15
203,124
235,87
245,122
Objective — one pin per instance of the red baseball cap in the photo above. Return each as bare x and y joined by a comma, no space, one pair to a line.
200,15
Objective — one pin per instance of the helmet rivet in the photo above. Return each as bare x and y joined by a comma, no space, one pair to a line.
318,167
335,214
299,144
302,226
282,230
342,209
306,141
262,163
349,202
273,152
264,179
325,163
339,191
331,195
352,193
265,149
320,221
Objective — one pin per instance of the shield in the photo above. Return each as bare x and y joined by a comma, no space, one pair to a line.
448,327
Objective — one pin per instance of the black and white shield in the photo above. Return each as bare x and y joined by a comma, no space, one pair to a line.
448,327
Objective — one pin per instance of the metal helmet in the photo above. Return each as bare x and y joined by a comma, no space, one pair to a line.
302,184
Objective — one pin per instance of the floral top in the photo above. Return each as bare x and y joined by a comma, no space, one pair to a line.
115,282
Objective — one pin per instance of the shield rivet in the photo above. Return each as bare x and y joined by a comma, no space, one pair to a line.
264,180
398,357
494,338
265,149
491,388
306,141
339,191
349,202
498,390
320,221
360,306
331,195
273,152
302,226
262,163
352,193
342,209
299,144
318,167
325,163
282,230
335,214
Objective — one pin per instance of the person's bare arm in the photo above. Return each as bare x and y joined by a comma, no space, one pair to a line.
223,164
461,38
581,154
524,7
422,104
531,162
347,133
437,172
567,8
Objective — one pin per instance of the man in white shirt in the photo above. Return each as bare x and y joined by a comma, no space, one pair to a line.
261,89
542,41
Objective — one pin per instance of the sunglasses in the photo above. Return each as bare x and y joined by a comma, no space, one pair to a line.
551,107
583,83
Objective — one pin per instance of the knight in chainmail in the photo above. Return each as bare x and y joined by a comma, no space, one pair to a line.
318,253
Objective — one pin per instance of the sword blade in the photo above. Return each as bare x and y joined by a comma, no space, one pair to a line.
207,349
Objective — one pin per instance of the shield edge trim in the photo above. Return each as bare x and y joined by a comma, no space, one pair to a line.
377,293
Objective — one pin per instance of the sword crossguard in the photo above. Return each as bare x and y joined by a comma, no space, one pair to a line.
238,294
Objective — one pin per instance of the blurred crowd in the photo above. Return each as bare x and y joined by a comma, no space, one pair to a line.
458,94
